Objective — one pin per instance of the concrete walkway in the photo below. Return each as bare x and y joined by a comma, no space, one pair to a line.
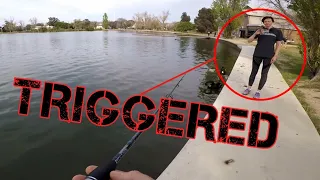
296,155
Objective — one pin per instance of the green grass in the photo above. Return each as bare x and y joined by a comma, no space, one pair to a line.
312,85
289,64
310,110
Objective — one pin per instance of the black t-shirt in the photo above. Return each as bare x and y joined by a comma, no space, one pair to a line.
266,41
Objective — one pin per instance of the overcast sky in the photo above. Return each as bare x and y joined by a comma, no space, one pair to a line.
68,10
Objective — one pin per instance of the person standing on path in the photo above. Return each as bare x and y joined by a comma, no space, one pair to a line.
264,52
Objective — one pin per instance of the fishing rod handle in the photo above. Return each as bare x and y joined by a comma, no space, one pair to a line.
102,172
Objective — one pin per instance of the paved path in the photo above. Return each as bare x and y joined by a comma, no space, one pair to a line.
296,155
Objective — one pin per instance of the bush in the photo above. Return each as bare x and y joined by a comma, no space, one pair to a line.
43,29
184,26
90,29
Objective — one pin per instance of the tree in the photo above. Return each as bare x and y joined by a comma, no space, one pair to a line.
138,18
121,23
52,21
105,22
130,23
146,21
86,24
94,24
153,23
185,17
308,15
21,24
205,21
33,21
113,24
184,26
28,27
62,25
224,10
77,24
280,5
172,26
10,25
163,18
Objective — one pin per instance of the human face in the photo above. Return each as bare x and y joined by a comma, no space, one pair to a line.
268,23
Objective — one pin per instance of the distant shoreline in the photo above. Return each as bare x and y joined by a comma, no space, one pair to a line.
164,32
235,41
174,33
55,31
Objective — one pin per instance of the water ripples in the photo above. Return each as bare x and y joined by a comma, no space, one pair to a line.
123,63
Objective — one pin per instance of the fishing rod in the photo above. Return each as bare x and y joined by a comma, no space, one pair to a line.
103,172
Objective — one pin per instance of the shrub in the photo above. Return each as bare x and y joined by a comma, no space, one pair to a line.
184,26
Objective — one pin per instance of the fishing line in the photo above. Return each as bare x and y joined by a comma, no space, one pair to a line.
103,172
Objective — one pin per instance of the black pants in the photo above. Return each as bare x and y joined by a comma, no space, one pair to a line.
264,73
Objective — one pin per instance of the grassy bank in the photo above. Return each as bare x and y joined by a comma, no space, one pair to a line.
289,64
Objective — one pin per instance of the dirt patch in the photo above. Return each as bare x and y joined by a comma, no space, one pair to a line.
312,97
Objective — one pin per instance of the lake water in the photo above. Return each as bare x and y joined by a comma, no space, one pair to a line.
125,63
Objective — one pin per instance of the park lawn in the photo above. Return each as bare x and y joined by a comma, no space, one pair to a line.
307,92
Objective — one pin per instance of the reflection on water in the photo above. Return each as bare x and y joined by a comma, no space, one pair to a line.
184,44
124,63
226,57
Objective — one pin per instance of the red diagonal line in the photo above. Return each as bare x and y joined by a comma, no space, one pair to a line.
181,74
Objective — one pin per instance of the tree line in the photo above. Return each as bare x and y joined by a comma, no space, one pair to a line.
53,24
208,20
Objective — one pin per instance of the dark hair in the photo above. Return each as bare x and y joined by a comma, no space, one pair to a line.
267,17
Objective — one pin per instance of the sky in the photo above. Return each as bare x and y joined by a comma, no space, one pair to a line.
68,10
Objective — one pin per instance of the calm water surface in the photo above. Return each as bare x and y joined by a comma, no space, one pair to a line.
124,63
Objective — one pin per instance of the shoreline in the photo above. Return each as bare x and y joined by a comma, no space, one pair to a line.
177,33
34,32
181,34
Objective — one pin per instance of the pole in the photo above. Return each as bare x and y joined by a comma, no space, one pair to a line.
103,172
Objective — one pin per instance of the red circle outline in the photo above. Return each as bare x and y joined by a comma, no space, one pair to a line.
269,10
